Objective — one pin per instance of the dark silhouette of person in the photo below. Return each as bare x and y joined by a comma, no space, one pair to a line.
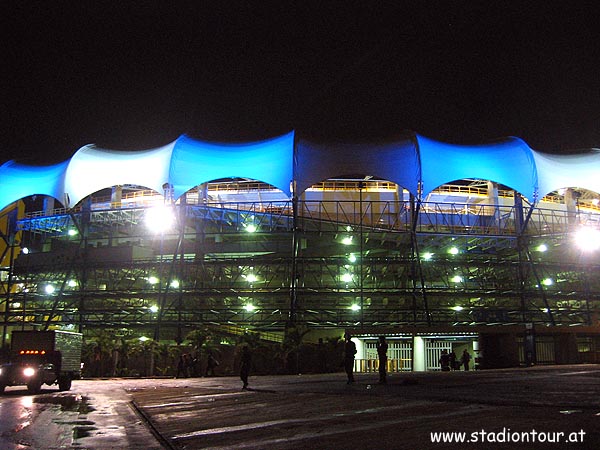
465,359
181,369
382,348
322,356
349,353
445,361
245,364
187,364
211,363
453,362
97,361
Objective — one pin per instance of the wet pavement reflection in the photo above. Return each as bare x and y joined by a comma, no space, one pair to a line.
308,411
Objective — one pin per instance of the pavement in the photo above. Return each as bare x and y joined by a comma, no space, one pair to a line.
538,407
546,407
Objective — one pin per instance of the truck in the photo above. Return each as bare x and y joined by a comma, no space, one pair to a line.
42,357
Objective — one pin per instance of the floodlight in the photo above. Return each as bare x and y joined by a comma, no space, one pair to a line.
153,309
152,280
250,278
72,232
159,218
457,279
542,248
547,281
355,307
347,240
250,228
427,256
249,307
587,239
49,289
457,308
453,251
347,277
352,257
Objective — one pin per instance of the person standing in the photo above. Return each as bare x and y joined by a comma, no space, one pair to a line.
382,348
465,359
454,365
245,364
349,353
445,361
181,367
211,363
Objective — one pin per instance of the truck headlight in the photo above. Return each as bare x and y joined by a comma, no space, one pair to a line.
29,371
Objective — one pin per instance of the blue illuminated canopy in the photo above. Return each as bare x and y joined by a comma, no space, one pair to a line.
20,181
195,162
508,161
292,165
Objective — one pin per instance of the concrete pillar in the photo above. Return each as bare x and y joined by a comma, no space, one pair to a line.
571,204
203,194
492,200
418,354
48,206
360,348
498,350
566,351
116,195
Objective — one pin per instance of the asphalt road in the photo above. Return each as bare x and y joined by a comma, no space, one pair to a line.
553,407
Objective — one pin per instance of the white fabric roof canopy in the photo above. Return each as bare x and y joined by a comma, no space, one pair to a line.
409,162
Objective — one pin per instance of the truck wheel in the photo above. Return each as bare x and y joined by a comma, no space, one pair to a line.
64,383
34,386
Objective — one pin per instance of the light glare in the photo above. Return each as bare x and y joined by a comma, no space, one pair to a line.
427,256
587,239
159,219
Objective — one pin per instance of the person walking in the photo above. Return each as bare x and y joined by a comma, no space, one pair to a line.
382,348
246,362
349,353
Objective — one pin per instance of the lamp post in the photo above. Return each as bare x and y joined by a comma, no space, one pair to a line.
360,224
361,185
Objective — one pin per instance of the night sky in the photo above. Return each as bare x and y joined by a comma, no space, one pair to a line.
137,77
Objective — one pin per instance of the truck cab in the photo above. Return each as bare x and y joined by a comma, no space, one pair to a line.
42,357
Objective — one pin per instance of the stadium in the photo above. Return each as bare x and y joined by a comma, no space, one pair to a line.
491,247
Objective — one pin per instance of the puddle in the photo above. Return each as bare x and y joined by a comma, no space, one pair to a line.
68,402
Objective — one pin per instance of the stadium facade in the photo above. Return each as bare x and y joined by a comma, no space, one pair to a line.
489,248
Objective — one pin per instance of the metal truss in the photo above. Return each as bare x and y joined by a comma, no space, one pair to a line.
327,264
